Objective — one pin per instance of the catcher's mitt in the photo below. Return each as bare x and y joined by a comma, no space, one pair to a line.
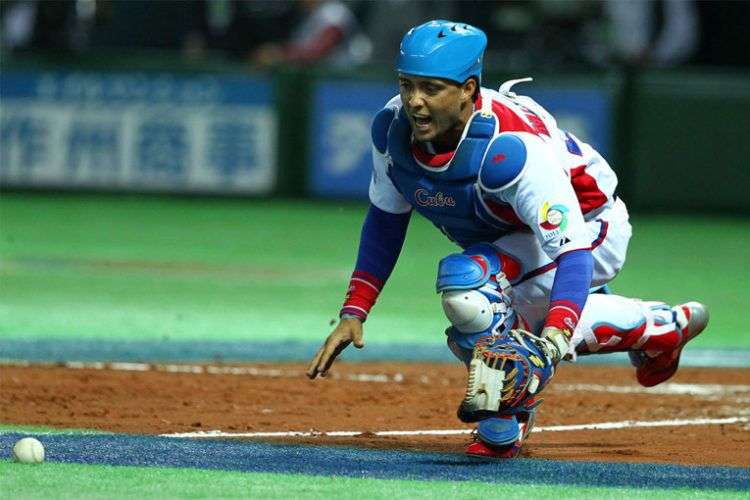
505,374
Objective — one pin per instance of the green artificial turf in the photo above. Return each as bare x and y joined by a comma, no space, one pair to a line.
61,480
42,430
150,268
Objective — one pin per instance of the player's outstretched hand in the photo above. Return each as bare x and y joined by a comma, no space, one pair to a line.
349,330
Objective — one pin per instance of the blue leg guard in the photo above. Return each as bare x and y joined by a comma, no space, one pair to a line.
499,431
504,430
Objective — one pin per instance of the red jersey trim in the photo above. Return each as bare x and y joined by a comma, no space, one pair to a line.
428,160
510,121
590,197
503,212
363,292
563,314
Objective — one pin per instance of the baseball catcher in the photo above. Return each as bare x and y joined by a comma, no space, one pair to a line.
535,212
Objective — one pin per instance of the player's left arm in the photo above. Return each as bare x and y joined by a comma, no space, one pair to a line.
543,198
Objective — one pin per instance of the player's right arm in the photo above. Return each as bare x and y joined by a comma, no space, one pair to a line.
381,240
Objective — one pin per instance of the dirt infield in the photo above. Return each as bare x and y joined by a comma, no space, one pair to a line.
371,397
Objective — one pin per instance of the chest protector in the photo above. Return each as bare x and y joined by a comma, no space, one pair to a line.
448,196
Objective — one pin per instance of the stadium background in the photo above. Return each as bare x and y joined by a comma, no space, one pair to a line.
174,198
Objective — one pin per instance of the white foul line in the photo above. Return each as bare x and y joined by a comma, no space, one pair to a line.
667,389
250,371
453,432
636,423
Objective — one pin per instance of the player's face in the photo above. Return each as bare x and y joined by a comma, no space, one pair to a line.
437,109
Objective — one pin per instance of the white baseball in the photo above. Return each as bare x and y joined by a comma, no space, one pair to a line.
28,451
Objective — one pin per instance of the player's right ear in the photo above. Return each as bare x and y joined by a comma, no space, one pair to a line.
470,90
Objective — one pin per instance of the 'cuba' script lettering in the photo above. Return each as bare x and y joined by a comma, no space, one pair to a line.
424,199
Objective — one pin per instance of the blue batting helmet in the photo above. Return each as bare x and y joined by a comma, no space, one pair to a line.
442,49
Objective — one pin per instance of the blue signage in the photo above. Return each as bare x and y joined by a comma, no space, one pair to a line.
142,131
341,158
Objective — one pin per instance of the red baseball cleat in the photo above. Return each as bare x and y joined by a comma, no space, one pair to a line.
482,450
651,371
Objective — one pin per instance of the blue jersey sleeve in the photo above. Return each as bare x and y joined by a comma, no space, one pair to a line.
382,237
570,289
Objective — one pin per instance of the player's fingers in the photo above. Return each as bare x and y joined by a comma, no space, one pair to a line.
322,357
331,357
312,368
357,339
324,360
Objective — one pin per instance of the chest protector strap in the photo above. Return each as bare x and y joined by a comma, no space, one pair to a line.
483,126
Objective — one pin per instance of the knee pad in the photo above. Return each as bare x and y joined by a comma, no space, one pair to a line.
474,294
470,311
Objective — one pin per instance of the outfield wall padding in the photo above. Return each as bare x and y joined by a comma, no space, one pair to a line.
676,139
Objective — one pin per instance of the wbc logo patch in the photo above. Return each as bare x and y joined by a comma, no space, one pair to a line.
553,220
